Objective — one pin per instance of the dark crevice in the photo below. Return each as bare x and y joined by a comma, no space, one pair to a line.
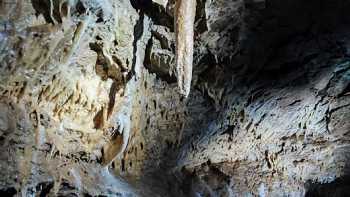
161,73
112,93
155,11
80,8
42,7
10,191
340,187
138,31
44,188
230,132
200,20
98,120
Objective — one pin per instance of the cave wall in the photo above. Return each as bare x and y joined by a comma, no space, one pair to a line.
89,103
272,91
76,97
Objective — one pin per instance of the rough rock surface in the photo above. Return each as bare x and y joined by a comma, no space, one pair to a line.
90,105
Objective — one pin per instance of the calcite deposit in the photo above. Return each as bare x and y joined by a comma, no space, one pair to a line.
174,98
185,12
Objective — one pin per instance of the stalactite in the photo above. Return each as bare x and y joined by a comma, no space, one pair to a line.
185,12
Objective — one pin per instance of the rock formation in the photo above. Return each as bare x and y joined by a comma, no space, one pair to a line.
92,98
185,12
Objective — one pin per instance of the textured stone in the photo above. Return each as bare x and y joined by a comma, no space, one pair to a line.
89,103
69,87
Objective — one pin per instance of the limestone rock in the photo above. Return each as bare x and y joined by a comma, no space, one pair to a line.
89,103
160,58
184,30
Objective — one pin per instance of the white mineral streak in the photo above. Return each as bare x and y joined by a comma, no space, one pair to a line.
262,190
110,182
79,33
77,178
185,12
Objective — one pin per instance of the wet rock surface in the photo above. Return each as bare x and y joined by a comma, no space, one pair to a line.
90,105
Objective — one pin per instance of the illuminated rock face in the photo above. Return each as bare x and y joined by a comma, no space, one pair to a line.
90,103
76,97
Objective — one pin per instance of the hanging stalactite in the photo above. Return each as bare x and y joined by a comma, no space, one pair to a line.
185,12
